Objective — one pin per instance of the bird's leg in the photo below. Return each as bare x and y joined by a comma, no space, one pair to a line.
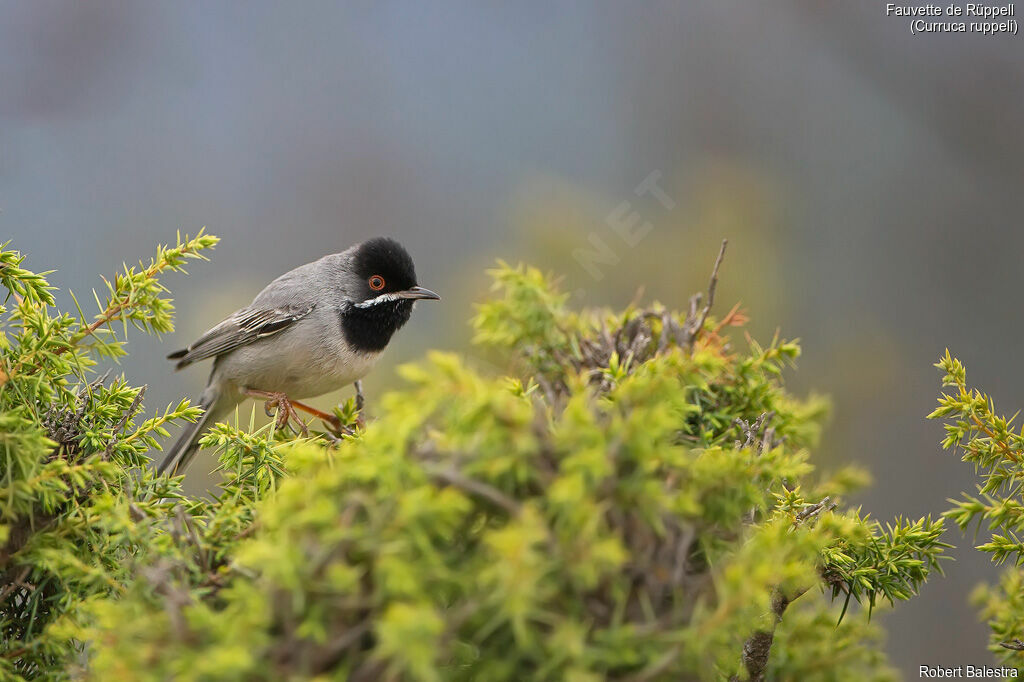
360,404
285,408
319,414
360,400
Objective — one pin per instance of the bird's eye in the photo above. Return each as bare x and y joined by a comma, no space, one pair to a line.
376,282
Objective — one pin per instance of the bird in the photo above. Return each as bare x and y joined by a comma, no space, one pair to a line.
313,330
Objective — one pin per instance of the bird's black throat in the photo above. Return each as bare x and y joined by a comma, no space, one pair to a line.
370,329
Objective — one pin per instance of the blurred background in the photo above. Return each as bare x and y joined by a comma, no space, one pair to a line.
869,182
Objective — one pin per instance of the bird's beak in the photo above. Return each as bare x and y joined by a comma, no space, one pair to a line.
418,293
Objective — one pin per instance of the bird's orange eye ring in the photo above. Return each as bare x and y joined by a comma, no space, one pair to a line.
376,282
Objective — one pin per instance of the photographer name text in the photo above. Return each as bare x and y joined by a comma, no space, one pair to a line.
938,672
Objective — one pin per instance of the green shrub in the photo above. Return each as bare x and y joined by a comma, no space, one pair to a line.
635,500
75,502
996,449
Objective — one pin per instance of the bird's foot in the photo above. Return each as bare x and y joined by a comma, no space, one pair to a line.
286,412
279,406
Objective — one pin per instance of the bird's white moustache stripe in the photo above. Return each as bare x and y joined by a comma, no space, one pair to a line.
377,300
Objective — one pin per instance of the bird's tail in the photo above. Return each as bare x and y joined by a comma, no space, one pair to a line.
185,448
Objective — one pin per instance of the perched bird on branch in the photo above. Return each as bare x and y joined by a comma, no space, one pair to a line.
313,330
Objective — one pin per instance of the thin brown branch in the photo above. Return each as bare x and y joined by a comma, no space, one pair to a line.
813,510
333,650
474,487
694,323
106,317
14,584
1015,456
129,414
113,310
759,645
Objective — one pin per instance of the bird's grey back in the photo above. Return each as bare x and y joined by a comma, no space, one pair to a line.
328,280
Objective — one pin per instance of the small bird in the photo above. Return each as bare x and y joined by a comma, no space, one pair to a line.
313,330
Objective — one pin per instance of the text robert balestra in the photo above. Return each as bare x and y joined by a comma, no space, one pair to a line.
938,672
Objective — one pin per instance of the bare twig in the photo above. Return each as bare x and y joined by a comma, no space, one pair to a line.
1014,645
759,644
333,650
14,584
753,432
694,323
189,525
129,414
813,510
687,536
114,310
474,487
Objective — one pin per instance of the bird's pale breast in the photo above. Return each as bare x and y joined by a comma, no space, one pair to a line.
304,364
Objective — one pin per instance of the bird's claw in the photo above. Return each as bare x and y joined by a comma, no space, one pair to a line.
280,407
284,411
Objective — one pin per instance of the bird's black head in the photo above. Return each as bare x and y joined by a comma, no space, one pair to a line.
384,291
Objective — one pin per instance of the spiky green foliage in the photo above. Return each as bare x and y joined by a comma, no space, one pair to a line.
618,507
995,447
72,496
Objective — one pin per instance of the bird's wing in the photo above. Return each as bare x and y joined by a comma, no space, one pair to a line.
241,328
